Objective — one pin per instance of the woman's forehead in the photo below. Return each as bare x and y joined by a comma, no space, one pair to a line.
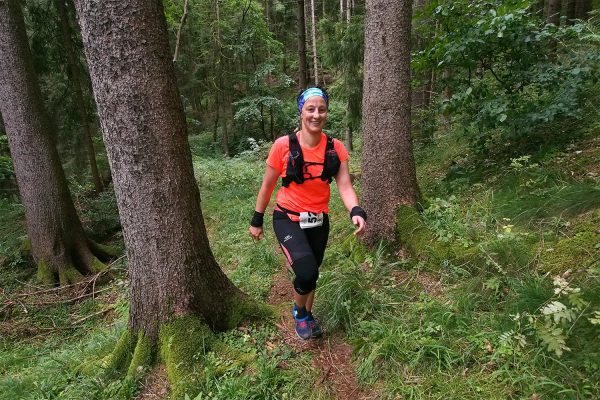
316,101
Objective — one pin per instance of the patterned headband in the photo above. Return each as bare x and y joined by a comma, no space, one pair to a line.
311,92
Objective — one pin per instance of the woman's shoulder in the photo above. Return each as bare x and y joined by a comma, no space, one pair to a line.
282,141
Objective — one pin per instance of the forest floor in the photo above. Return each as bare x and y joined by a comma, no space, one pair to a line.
463,320
331,355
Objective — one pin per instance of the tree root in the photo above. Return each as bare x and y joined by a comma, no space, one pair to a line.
181,345
72,268
422,244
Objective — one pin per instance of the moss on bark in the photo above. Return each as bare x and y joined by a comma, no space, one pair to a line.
181,345
244,309
412,233
97,266
45,273
420,242
182,342
143,357
25,248
122,354
69,275
103,251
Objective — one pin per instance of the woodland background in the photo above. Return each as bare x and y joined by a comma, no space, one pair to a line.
484,282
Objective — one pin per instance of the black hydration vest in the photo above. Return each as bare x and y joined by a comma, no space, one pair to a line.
295,165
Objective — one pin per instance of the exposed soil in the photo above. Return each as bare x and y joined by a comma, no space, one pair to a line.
155,386
331,354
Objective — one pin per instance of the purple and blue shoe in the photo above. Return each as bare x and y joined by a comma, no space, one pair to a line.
303,328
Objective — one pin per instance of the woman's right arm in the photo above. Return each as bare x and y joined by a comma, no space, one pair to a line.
264,196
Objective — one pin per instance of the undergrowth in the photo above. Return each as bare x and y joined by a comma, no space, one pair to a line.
511,313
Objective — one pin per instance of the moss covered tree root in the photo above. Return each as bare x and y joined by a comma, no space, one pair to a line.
420,242
181,345
73,265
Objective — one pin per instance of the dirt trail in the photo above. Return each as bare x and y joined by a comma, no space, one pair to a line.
155,386
331,354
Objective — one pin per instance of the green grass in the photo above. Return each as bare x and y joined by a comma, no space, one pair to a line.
420,329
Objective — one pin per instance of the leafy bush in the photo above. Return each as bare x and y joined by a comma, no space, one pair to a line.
508,69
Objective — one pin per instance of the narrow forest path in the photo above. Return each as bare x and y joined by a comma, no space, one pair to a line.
331,355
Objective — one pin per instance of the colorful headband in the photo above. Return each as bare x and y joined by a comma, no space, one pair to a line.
311,92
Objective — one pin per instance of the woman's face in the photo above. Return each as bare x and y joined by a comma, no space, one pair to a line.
314,114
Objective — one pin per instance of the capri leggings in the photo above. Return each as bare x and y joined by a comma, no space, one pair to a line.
304,249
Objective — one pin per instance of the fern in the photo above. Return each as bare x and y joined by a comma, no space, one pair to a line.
553,337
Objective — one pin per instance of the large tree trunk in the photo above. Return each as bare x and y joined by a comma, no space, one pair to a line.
58,243
76,80
388,170
303,68
172,269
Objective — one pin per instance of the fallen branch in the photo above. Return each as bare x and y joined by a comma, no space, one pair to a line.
80,320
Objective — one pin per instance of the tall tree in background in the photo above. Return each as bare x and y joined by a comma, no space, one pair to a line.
302,64
388,169
313,26
582,8
77,81
554,7
172,269
58,243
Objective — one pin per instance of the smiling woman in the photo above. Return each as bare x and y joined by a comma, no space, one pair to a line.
307,161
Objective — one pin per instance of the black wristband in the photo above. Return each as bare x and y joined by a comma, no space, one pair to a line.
257,219
358,211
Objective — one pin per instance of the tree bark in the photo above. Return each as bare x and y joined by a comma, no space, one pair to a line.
554,7
58,243
582,8
77,81
570,11
314,42
388,170
172,269
303,67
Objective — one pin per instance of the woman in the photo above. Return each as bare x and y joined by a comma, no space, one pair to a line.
307,161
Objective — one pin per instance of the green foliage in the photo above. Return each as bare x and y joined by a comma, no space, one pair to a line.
7,173
443,218
510,72
343,51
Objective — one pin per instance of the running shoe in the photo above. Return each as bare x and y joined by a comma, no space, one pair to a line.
303,329
314,326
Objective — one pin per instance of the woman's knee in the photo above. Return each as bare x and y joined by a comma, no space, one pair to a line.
307,273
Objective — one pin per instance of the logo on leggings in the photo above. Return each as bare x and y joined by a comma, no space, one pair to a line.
288,237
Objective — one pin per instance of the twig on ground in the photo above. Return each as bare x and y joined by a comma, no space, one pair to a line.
80,320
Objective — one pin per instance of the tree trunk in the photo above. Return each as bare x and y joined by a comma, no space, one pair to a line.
58,243
388,169
76,79
314,41
303,67
582,8
446,95
554,12
172,269
181,24
348,132
570,11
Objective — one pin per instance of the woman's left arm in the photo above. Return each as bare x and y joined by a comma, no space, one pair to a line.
344,184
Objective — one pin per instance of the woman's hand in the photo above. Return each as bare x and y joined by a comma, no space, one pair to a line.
360,224
257,233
